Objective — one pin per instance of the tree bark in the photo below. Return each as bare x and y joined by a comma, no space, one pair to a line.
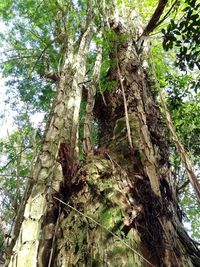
119,207
87,142
57,160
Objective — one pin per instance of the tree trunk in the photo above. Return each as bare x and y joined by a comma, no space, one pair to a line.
36,221
118,208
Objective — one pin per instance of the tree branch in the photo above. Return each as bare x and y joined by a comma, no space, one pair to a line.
167,14
155,18
58,37
181,187
54,76
17,57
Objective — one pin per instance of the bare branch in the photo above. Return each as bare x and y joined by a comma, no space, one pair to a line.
180,188
167,14
58,37
17,58
54,76
155,18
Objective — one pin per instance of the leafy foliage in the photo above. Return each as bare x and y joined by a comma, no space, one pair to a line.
183,35
184,107
16,153
36,45
183,104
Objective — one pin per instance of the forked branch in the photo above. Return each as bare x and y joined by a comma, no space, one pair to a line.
155,18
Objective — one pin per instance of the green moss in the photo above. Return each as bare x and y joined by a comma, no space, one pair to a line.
120,131
120,128
109,217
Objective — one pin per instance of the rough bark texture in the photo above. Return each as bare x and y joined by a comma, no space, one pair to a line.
127,191
121,208
87,142
58,158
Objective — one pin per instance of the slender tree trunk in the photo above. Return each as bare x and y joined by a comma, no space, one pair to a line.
87,142
119,207
57,160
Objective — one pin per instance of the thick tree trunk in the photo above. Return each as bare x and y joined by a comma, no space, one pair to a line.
126,213
119,207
